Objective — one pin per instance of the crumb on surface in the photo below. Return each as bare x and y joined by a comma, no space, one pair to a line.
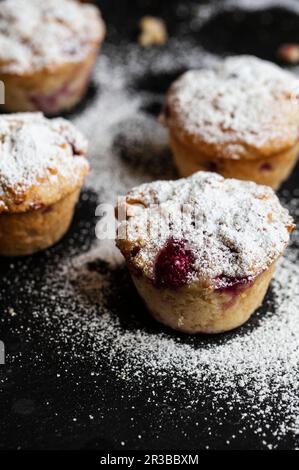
153,31
289,53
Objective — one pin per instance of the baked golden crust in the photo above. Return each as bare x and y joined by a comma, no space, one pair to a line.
49,91
41,161
244,109
192,309
23,234
270,171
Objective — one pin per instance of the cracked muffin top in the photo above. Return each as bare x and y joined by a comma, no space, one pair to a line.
38,34
244,107
203,229
41,161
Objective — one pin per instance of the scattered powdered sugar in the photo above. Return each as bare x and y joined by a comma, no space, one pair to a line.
205,12
34,149
248,357
117,111
85,309
261,4
234,229
255,369
35,34
241,102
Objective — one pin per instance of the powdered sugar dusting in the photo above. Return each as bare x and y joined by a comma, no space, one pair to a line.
205,12
242,102
34,150
35,34
261,4
234,229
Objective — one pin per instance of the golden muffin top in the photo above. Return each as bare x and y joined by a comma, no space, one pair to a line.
203,228
41,161
244,107
38,34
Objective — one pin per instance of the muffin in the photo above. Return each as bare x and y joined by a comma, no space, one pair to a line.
202,250
239,119
47,50
42,168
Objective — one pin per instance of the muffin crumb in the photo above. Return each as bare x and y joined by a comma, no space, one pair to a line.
153,31
289,53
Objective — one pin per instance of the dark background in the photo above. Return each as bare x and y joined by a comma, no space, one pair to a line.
36,404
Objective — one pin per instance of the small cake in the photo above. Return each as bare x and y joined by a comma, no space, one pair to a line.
42,168
240,119
202,250
47,50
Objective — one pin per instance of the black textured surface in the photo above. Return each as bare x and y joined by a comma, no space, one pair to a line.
44,392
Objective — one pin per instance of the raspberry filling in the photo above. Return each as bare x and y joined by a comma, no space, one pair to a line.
51,103
265,167
232,286
211,166
174,264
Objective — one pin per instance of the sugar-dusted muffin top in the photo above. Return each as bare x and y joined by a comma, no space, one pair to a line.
41,161
38,34
245,107
203,228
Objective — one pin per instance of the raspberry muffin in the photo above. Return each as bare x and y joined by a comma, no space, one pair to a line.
202,250
240,119
47,50
42,168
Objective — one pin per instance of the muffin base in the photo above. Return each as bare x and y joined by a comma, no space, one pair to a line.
192,309
270,171
48,91
26,233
